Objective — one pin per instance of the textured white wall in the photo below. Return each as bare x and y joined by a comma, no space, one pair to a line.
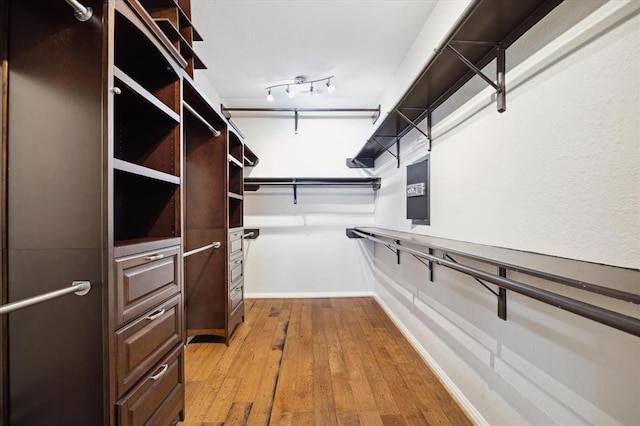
557,173
302,249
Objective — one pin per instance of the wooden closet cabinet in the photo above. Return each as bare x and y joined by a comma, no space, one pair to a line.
92,179
213,188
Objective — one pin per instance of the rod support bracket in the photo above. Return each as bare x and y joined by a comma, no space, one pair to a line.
84,287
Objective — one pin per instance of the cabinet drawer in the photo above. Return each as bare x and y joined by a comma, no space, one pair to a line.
235,242
145,280
141,344
159,398
236,268
236,295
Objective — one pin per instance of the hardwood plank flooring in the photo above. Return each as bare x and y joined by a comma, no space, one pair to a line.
314,362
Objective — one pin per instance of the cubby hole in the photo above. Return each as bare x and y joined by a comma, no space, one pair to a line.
235,178
235,147
204,178
235,212
144,209
144,135
139,58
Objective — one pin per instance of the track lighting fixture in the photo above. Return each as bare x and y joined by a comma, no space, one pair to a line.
82,13
301,80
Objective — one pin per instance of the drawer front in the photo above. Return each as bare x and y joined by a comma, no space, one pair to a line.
145,280
159,398
236,294
235,242
236,269
141,344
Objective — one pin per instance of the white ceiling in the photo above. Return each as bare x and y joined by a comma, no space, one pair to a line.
251,44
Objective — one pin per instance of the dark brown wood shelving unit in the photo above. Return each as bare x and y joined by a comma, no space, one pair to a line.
482,35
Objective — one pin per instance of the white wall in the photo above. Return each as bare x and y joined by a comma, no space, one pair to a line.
557,173
302,249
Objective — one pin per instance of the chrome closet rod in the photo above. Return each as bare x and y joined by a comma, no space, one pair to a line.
82,12
78,287
215,244
248,234
189,108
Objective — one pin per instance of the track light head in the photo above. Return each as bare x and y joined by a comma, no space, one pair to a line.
269,96
290,93
330,87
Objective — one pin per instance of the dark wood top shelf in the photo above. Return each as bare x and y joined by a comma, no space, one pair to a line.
485,25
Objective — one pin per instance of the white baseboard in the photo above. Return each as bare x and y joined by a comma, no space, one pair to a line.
456,393
308,295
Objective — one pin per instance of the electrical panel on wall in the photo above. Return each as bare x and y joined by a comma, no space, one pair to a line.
418,192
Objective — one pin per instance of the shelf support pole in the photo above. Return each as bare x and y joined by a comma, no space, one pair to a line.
500,78
500,70
295,193
295,118
502,296
431,266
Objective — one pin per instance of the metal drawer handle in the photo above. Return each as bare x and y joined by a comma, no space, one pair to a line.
237,262
160,373
154,257
154,315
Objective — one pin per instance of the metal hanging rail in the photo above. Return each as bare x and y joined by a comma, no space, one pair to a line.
78,287
189,108
213,245
613,319
376,112
253,184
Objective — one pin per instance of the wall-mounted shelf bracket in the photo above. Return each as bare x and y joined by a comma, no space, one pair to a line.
501,294
397,155
499,85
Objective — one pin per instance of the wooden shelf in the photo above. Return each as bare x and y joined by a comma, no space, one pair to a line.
145,94
486,25
174,35
145,171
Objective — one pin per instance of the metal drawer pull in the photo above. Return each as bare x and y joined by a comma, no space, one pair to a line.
237,262
154,315
154,257
160,373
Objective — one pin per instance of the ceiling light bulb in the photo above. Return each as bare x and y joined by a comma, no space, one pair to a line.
330,87
290,93
269,96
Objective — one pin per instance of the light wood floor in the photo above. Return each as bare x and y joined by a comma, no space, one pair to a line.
314,361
